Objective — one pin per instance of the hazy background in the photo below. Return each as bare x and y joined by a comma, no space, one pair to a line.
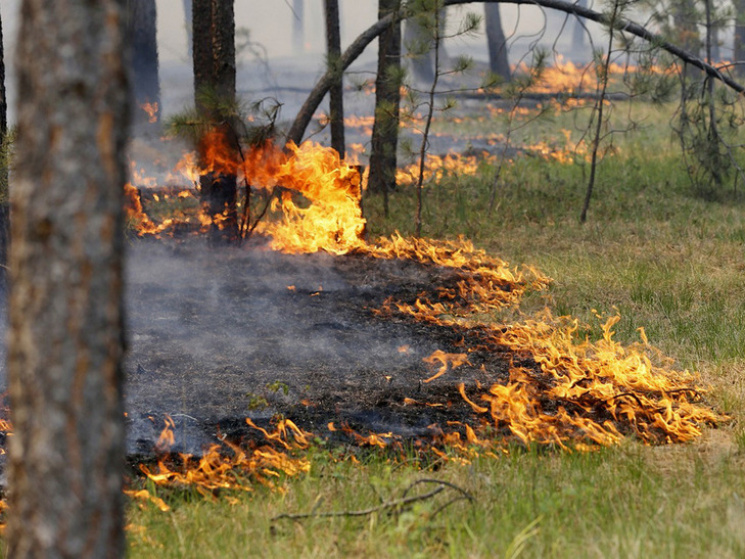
270,27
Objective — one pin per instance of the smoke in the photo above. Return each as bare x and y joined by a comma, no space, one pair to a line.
218,335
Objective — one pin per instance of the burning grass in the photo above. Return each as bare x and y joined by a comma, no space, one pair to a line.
562,390
671,263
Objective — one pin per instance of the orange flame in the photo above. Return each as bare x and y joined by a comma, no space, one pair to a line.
577,393
152,111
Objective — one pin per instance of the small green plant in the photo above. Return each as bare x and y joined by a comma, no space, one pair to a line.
278,386
256,402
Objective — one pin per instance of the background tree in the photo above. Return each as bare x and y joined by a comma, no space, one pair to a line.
298,26
418,42
65,342
336,93
739,47
142,20
187,23
384,140
579,35
4,163
357,47
497,42
213,24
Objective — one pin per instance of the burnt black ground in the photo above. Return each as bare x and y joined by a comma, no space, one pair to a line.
220,334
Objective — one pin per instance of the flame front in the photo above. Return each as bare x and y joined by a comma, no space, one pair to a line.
561,390
331,218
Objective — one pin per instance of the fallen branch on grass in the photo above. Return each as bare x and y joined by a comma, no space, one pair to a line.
394,505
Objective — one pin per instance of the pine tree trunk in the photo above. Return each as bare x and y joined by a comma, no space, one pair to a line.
142,22
213,24
4,164
497,42
384,141
65,341
336,93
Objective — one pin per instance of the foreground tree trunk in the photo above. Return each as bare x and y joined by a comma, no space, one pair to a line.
384,141
336,93
142,17
497,42
4,164
65,342
213,25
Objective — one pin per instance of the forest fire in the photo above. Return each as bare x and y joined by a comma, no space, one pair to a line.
531,380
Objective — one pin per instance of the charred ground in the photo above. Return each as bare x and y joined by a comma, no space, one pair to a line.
220,335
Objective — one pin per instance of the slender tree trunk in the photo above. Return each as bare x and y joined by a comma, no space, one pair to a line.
298,26
497,42
427,124
65,342
599,107
384,141
213,25
336,93
714,138
4,166
145,78
740,37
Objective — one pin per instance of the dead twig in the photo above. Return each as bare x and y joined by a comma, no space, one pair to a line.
395,505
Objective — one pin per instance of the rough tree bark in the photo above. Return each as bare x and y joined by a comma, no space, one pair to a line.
65,340
4,162
497,42
213,25
305,114
336,93
384,140
142,31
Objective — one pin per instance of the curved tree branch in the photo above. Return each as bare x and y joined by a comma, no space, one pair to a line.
318,92
304,116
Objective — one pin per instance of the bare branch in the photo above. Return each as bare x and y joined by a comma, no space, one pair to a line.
304,116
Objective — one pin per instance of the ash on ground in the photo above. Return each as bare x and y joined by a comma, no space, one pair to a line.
218,335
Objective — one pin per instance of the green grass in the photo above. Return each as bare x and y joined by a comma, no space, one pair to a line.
623,502
664,258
